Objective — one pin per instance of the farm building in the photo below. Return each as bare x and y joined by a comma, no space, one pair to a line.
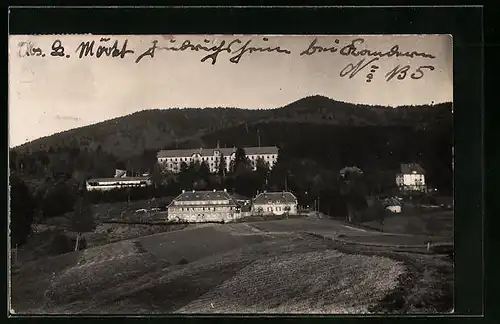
275,203
411,178
203,206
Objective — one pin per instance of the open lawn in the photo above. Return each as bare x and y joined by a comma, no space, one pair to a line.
412,221
234,268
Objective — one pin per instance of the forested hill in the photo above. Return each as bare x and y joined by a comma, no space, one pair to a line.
150,130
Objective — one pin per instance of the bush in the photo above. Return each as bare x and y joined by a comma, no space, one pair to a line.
61,244
183,261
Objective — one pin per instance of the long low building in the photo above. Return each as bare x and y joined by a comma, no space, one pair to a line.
203,206
106,184
171,160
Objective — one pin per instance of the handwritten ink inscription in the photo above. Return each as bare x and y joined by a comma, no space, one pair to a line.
399,72
237,48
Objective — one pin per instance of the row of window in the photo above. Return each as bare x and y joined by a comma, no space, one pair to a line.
202,202
202,208
106,184
211,158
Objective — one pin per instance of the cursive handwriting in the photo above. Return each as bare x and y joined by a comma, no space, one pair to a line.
29,49
215,50
352,50
90,49
352,69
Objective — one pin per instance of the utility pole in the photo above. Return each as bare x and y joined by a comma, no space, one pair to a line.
258,137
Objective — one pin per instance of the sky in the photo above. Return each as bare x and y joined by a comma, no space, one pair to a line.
50,94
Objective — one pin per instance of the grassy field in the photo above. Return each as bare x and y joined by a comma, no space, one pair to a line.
233,269
412,221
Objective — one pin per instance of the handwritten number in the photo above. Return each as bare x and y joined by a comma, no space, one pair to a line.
57,49
402,72
397,71
421,73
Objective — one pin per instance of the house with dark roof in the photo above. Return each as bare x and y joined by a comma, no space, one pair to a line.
275,203
172,159
411,178
203,206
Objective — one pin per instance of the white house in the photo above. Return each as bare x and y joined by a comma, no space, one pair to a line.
411,178
106,184
171,160
275,203
203,206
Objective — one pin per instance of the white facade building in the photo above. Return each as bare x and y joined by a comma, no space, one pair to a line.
275,203
106,184
171,160
203,206
411,178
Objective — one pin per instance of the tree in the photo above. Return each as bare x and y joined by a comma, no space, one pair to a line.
13,160
204,171
82,220
22,206
157,176
221,168
57,199
240,160
353,190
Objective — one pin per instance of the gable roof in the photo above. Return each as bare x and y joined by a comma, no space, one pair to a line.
211,151
239,197
203,195
275,197
407,168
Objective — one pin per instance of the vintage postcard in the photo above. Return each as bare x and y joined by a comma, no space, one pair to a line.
231,174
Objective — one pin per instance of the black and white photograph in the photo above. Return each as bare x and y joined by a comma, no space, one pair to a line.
230,174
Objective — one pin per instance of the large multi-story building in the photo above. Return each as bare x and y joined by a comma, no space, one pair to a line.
204,206
171,160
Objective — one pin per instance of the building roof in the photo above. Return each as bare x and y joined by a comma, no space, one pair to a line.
275,197
118,179
203,195
223,151
120,173
239,197
407,168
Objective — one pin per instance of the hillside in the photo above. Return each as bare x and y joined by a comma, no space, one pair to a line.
131,135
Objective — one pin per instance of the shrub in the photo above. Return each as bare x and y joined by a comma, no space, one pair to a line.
61,244
183,261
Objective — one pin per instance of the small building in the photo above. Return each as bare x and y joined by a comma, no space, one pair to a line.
411,178
275,203
106,184
120,173
203,206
